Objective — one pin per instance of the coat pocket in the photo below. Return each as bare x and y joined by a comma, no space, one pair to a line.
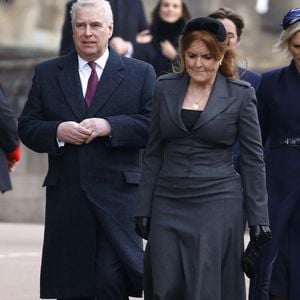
132,177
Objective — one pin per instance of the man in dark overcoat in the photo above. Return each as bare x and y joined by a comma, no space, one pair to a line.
9,142
129,20
90,249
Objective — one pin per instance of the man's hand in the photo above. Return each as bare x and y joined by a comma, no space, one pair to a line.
11,165
72,133
97,126
12,158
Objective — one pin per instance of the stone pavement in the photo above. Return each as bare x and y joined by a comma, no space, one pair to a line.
20,255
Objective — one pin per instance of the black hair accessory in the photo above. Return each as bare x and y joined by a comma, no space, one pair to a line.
207,24
291,17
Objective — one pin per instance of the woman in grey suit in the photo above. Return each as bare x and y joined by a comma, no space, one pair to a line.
191,199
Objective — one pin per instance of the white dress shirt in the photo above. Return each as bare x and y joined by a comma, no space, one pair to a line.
85,70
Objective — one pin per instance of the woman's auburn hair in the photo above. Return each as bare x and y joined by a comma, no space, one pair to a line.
216,48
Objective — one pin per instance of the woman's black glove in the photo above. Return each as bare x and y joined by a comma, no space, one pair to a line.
259,236
142,226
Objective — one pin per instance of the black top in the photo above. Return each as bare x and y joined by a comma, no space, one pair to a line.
190,117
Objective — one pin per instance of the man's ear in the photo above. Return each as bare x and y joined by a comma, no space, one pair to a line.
111,29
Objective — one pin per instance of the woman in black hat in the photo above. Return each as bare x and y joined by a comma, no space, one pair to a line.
191,199
279,110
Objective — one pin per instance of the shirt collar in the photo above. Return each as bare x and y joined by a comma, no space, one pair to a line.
101,61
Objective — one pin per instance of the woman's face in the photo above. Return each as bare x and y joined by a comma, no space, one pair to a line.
294,48
199,63
170,10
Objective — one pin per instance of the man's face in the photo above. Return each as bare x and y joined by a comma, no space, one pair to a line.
231,32
90,32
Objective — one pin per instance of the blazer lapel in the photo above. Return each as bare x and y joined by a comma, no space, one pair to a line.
73,93
174,99
218,101
111,77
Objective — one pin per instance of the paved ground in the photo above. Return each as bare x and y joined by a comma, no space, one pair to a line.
20,248
20,255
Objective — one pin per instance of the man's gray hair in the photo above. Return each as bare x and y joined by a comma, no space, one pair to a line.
103,4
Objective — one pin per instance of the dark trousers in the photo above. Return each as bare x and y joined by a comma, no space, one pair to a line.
110,277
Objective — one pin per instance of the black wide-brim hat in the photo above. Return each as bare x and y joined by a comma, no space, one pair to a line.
206,24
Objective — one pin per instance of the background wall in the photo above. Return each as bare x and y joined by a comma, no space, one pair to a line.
30,33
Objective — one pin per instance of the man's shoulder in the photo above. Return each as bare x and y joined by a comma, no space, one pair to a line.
58,61
245,72
250,76
135,64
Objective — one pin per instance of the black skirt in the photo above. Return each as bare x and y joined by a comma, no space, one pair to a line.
196,240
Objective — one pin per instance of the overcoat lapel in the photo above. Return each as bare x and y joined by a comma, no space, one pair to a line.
174,99
218,101
72,92
111,78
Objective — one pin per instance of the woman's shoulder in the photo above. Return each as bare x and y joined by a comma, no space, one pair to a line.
238,82
272,72
280,71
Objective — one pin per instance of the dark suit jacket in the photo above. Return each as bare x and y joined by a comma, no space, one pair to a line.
129,19
106,172
252,77
8,139
206,151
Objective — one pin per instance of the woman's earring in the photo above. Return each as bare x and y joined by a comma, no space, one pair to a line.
220,63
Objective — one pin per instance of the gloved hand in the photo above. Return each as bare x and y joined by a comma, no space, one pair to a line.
259,236
142,226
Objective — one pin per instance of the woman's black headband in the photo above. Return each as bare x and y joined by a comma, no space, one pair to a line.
207,24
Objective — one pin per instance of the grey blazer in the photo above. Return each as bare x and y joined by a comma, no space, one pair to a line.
205,151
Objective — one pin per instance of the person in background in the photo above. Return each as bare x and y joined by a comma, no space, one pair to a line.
159,46
191,200
129,20
279,109
82,113
9,142
234,25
